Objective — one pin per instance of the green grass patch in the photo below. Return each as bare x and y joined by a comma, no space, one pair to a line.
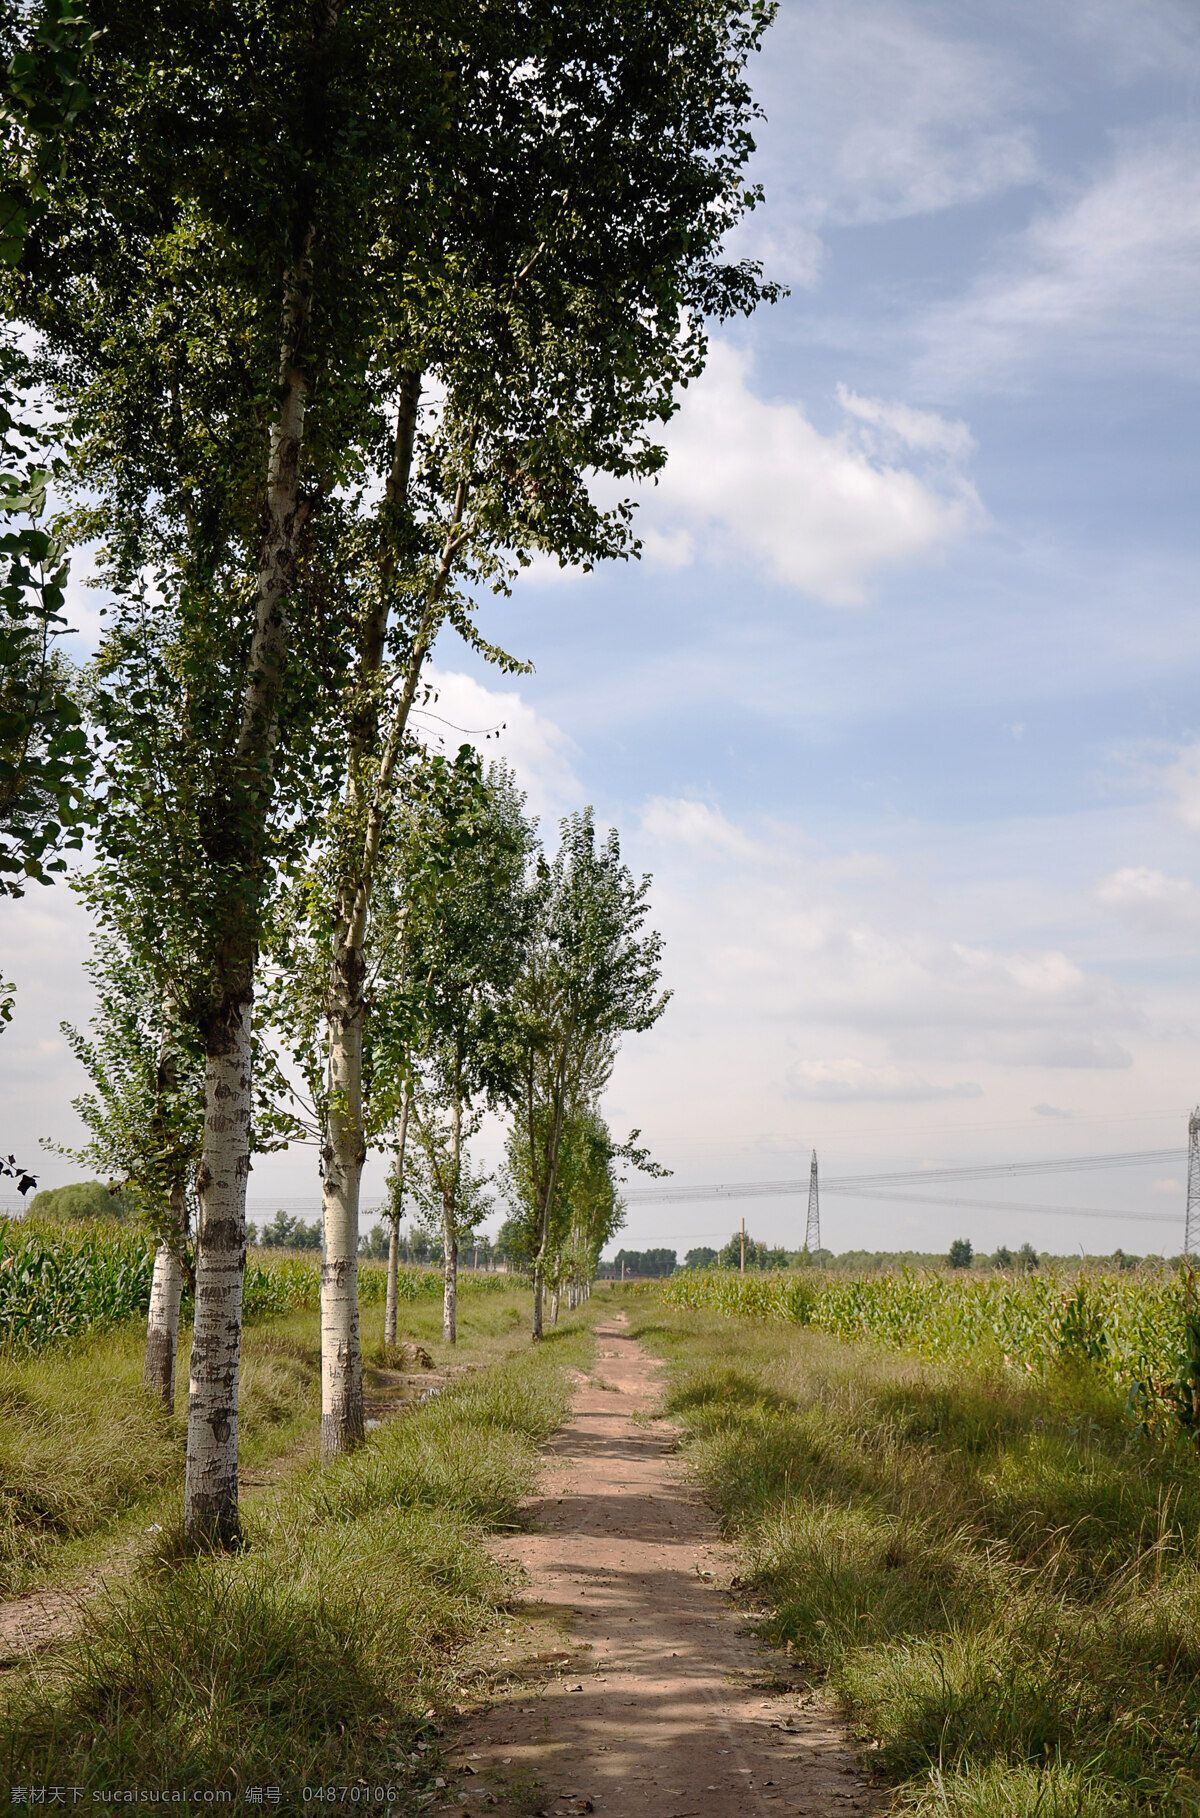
999,1576
317,1654
88,1459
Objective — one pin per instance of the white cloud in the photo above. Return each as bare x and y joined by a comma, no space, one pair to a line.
841,993
1149,900
753,480
1109,275
877,113
1168,1186
922,430
500,724
853,1081
1055,1111
1183,780
694,824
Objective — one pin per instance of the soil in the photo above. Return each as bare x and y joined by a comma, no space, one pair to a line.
657,1699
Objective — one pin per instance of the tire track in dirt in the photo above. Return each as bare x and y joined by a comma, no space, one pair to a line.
669,1707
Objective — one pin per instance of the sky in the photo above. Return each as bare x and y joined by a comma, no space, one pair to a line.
900,707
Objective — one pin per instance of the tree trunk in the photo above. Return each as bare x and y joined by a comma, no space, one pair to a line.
166,1292
450,1227
554,1307
211,1483
538,1291
342,1161
210,1515
393,1275
449,1274
370,774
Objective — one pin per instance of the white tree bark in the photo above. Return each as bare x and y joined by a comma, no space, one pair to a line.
449,1277
211,1491
343,1157
211,1485
166,1292
450,1229
538,1294
393,1274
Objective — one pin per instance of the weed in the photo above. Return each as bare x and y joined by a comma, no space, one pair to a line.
999,1575
315,1655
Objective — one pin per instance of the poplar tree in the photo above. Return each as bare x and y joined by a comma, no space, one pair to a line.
590,977
44,758
283,226
467,952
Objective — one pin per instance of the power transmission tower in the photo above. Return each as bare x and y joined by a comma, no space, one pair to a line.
1191,1230
812,1236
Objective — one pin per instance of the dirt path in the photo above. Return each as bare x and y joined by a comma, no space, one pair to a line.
661,1702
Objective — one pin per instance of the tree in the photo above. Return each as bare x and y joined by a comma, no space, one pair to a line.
702,1257
590,977
1027,1257
758,1255
287,1233
656,1263
44,758
583,231
960,1255
437,890
1002,1258
144,1111
280,192
595,1212
468,939
81,1200
586,1210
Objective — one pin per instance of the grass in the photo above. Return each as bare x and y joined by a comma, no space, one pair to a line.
1000,1577
1138,1329
326,1652
88,1460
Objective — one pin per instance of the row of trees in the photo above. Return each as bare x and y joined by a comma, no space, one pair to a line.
341,307
496,981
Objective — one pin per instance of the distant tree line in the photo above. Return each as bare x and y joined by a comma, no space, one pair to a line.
760,1255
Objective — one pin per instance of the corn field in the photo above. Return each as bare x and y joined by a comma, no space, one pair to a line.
59,1284
1141,1332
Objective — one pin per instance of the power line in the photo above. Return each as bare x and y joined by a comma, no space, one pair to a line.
1191,1227
1008,1205
857,1184
812,1234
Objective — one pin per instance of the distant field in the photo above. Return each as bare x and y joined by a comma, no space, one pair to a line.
1139,1332
59,1282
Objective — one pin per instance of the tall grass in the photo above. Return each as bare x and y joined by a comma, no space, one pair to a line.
319,1655
1133,1329
83,1447
58,1281
998,1573
84,1451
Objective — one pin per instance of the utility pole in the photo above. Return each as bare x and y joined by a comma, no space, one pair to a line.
812,1236
1191,1229
743,1246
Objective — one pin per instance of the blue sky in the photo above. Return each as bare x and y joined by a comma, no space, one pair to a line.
900,708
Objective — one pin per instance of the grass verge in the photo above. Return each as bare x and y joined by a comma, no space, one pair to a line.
87,1458
1001,1579
324,1653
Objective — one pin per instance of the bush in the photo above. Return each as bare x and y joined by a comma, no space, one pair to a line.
82,1199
